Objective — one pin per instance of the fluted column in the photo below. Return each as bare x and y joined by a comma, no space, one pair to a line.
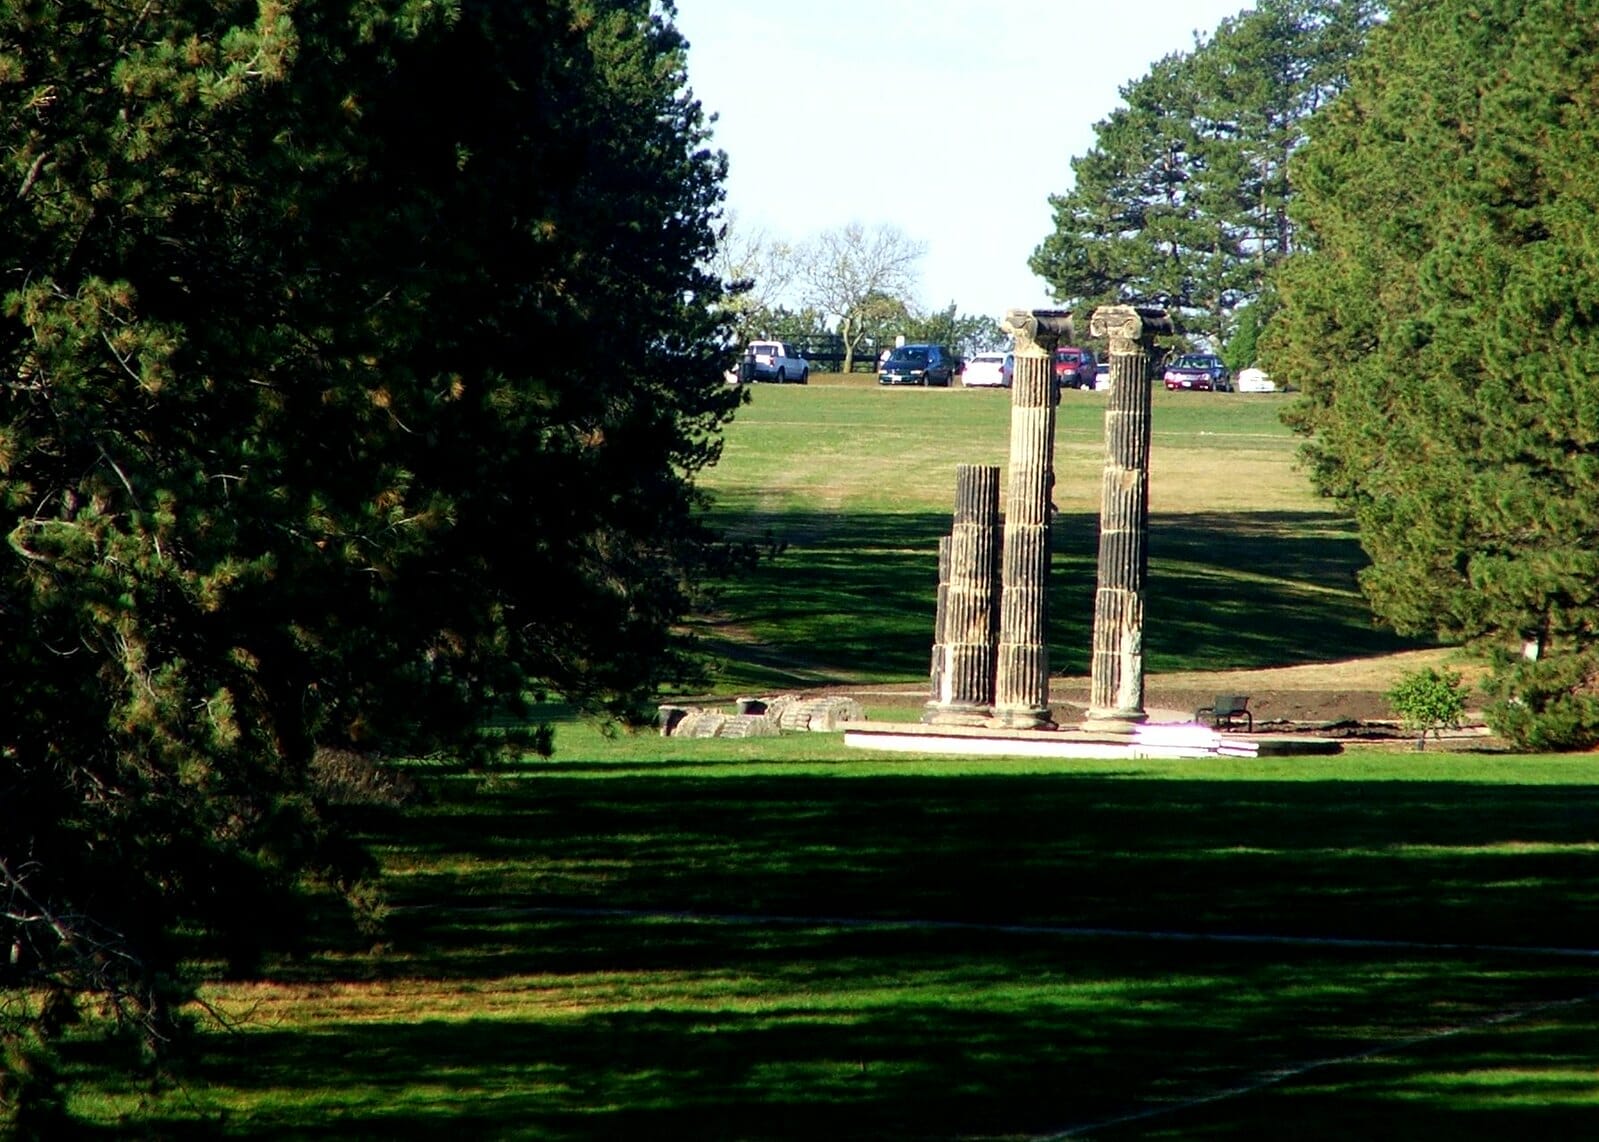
1021,684
1116,695
963,652
940,666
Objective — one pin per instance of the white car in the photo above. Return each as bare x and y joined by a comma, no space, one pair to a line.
989,370
1254,380
776,361
1102,377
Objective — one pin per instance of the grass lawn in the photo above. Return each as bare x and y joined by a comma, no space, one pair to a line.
780,938
787,940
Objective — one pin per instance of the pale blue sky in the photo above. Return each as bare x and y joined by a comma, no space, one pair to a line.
951,119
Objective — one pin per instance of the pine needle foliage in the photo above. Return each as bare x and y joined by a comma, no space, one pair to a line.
1182,202
356,370
1443,331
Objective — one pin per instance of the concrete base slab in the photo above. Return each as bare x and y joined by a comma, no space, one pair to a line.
1152,740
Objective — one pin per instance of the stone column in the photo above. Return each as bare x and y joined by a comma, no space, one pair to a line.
1116,696
968,616
1021,684
940,666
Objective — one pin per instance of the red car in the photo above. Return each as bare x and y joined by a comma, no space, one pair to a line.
1074,367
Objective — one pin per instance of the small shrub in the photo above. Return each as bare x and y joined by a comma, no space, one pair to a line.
369,907
1429,700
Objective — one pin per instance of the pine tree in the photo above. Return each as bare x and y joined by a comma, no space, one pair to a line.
1127,229
357,367
1442,328
1182,202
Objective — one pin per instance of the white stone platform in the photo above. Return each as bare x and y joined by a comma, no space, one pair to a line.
1149,740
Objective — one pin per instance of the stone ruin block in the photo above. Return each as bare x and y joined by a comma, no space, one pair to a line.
715,724
670,718
749,726
762,717
700,724
772,708
821,715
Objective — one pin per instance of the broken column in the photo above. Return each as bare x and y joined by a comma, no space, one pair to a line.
1116,696
967,619
1021,684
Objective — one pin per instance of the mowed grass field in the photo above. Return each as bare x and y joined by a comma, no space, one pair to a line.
1248,567
654,938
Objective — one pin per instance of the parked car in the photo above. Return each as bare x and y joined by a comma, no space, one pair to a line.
776,361
1254,380
1102,376
1074,367
918,365
989,370
1201,372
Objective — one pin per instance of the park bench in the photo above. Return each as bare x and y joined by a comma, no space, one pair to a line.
1226,712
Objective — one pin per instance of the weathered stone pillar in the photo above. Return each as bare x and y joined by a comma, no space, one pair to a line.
940,666
1021,684
968,615
1116,696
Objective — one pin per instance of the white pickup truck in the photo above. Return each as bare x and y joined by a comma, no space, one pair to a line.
775,361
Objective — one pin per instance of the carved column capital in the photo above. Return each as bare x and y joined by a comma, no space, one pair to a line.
1037,331
1128,326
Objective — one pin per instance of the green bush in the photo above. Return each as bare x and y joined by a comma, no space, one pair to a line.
1550,703
1429,700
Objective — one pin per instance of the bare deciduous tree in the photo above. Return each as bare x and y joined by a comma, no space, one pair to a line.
757,269
849,273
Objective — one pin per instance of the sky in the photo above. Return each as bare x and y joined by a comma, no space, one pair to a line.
953,120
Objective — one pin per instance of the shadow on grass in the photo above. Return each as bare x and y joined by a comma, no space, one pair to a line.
1438,862
542,980
851,598
555,1013
1523,1080
777,1033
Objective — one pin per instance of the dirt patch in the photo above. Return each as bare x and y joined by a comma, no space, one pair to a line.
1343,699
1322,693
1177,703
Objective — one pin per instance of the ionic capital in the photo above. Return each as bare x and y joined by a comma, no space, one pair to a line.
1126,327
1038,331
